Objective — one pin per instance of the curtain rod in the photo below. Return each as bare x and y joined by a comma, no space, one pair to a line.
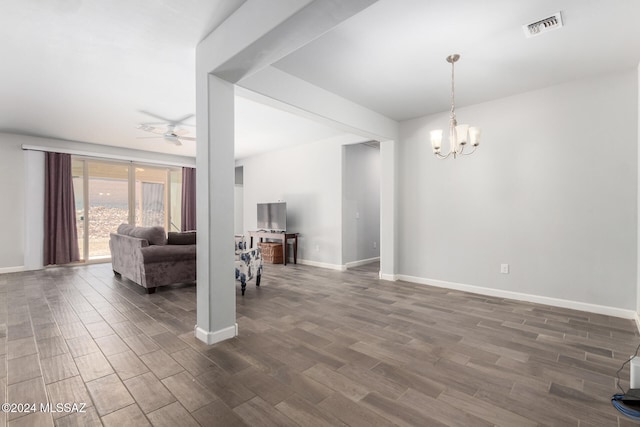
106,156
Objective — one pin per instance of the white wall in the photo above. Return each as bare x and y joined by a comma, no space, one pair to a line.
238,205
552,191
34,178
238,209
638,207
12,194
360,203
309,179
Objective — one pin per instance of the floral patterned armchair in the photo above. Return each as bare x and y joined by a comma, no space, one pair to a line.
248,262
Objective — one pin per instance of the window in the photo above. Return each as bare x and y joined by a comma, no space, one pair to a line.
111,193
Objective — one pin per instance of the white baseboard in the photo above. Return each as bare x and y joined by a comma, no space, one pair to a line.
336,266
322,264
389,277
637,319
556,302
12,269
212,337
361,262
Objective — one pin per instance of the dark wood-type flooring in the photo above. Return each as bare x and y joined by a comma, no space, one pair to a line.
316,348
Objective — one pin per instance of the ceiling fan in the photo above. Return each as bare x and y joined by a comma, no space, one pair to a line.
167,129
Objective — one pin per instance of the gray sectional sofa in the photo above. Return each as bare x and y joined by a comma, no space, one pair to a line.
150,258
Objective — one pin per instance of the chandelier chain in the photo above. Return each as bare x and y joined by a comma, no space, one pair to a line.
453,112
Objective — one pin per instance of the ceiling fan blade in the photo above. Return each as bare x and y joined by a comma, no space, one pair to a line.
179,121
169,131
152,129
149,137
180,132
182,119
155,116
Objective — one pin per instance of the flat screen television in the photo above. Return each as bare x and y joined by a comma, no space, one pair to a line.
272,216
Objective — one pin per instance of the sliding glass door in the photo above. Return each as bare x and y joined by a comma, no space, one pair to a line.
112,193
151,196
108,204
79,172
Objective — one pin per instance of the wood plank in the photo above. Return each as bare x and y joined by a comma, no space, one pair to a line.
316,347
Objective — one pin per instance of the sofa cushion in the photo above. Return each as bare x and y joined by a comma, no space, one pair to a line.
168,253
181,238
125,229
153,235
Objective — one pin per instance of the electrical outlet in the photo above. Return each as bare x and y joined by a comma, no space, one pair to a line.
504,268
317,248
375,245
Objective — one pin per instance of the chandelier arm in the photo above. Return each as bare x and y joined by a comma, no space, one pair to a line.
470,152
441,156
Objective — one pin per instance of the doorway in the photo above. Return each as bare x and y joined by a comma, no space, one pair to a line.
361,204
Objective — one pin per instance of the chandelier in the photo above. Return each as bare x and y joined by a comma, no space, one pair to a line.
459,135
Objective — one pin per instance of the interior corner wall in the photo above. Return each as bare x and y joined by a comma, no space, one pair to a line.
12,194
308,178
552,191
360,203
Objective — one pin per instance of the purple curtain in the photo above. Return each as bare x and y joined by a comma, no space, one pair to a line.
188,199
60,233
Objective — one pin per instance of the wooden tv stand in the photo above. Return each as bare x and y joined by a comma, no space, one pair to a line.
281,236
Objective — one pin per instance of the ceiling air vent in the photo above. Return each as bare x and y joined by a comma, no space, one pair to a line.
543,25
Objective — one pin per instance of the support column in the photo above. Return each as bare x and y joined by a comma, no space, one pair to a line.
244,45
216,288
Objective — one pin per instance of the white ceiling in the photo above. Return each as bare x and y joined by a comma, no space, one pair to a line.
82,70
391,56
261,128
87,70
